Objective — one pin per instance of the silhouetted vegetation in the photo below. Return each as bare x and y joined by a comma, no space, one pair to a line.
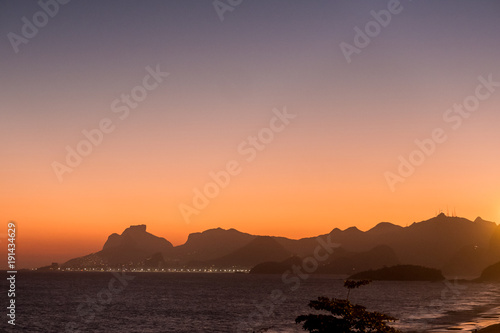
345,317
350,284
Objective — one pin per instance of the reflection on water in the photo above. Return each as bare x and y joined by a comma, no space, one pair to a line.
178,302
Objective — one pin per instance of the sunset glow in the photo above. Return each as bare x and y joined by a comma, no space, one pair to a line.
325,168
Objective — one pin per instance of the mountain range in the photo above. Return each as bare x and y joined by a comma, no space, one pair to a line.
456,246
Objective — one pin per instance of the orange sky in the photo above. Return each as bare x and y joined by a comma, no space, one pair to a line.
324,169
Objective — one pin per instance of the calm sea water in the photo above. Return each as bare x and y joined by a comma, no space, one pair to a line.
183,302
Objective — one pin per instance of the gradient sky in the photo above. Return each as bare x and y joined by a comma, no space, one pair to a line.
325,170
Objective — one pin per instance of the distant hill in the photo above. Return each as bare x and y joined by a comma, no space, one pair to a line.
138,238
457,246
494,246
134,246
400,273
439,242
211,244
273,267
384,228
301,247
491,273
341,262
344,262
260,249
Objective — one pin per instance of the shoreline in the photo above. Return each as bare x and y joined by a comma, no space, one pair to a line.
487,322
483,322
495,328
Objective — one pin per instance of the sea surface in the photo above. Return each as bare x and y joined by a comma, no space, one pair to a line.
197,302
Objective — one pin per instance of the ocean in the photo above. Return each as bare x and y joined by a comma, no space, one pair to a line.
198,302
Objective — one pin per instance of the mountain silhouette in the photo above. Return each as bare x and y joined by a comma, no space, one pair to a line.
439,242
491,273
341,262
273,267
345,262
260,249
211,244
135,245
457,246
384,228
138,238
400,273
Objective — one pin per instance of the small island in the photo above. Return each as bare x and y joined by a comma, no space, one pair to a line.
400,273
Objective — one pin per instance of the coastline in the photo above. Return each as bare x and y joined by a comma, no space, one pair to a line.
495,328
483,322
489,321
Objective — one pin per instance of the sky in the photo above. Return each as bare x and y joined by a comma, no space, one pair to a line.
313,115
